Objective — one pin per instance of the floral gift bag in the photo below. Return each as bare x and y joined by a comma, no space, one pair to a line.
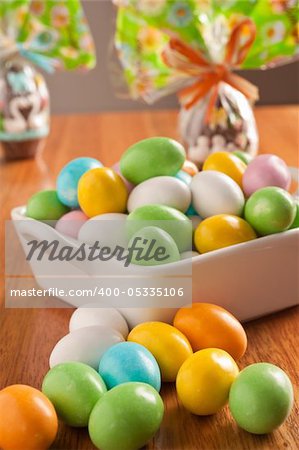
46,34
193,47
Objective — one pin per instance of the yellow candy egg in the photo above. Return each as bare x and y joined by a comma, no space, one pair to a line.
168,345
222,231
226,163
102,191
204,380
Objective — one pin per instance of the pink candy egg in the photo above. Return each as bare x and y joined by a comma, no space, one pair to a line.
70,223
129,185
263,171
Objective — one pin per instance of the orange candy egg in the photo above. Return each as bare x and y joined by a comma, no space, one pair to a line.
27,419
190,168
210,326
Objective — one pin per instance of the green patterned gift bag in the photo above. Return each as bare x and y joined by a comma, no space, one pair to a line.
46,34
193,47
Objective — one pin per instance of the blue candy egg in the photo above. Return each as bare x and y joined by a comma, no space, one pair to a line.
184,176
68,178
128,361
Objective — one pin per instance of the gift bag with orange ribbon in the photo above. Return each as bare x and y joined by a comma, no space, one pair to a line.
193,48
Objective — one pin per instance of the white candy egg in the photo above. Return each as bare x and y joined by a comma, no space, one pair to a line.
134,316
108,229
216,193
189,254
85,345
168,191
92,315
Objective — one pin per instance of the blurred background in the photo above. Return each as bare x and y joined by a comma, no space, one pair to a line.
94,91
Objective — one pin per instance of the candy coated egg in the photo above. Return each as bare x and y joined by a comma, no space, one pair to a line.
129,361
129,186
184,177
70,223
210,326
27,419
270,210
108,229
295,223
102,191
93,315
86,345
204,381
190,168
153,247
261,398
216,193
266,170
227,163
152,157
74,389
222,231
167,344
243,156
45,205
126,418
167,191
68,179
171,220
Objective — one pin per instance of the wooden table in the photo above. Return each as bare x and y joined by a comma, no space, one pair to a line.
28,335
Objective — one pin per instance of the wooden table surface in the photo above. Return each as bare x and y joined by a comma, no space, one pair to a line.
28,335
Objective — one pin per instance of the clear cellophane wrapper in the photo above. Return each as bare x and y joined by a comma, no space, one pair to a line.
231,125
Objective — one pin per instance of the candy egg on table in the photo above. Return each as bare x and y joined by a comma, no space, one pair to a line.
69,176
243,156
222,231
126,418
169,219
266,170
152,157
155,247
216,193
261,398
184,177
270,210
45,205
204,380
167,344
92,314
102,191
190,168
129,361
227,163
27,419
209,326
108,229
129,186
74,389
86,345
70,223
164,190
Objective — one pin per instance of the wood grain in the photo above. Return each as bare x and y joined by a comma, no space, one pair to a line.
28,335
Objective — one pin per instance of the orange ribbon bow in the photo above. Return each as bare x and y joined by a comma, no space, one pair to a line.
186,59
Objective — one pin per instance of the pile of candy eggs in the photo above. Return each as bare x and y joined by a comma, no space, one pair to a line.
230,201
118,397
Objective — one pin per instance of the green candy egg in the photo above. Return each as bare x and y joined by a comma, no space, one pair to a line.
261,398
45,205
74,388
152,157
295,223
126,418
158,247
270,210
243,156
169,219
